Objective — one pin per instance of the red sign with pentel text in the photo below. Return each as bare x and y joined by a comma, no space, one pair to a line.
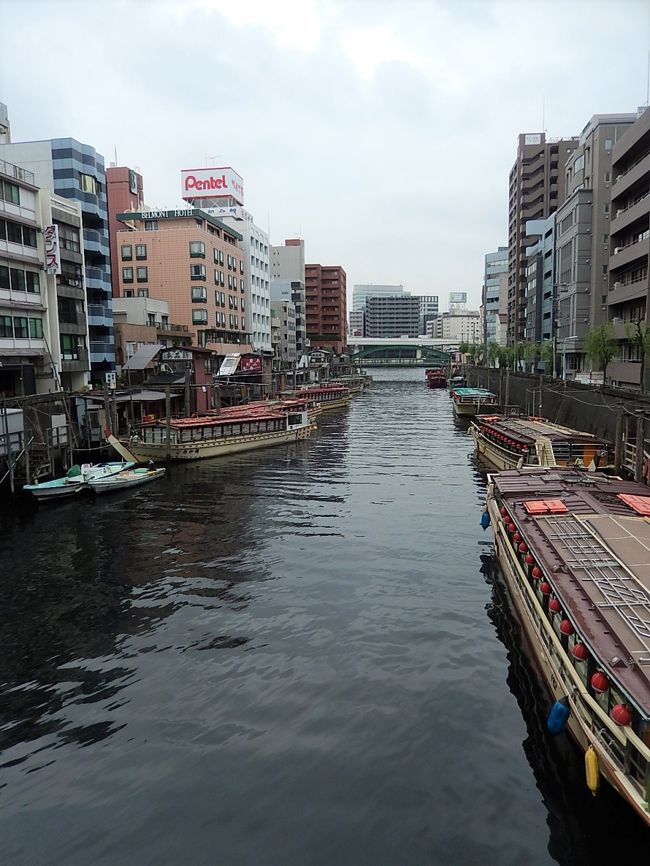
212,183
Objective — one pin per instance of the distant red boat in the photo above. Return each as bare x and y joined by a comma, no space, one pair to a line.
436,379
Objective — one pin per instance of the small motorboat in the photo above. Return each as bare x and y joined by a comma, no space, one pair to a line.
75,480
126,479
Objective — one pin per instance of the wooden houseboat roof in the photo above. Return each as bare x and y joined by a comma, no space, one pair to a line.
529,430
596,554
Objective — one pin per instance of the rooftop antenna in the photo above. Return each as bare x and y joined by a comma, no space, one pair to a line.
216,156
115,146
543,113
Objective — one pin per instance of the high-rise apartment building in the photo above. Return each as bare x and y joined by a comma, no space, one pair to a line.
540,281
629,245
75,171
536,189
428,310
494,300
392,316
583,228
288,265
43,324
463,326
194,262
285,314
357,323
124,192
326,306
367,290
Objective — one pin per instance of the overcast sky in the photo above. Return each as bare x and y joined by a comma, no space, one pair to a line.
380,132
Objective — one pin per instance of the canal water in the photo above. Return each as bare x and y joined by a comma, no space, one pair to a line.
299,657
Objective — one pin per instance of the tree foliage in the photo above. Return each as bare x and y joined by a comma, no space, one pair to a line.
638,334
601,345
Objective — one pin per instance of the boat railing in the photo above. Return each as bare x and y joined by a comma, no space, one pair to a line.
629,459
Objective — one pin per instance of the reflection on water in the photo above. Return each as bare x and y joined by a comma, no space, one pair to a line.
278,658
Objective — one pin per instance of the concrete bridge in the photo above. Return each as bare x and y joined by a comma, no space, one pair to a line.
401,351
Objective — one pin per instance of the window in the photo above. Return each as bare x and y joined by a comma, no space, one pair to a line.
141,251
88,184
17,279
241,266
21,330
29,236
128,293
579,164
32,282
608,144
241,285
127,252
69,347
141,273
36,329
9,192
197,272
143,293
71,275
127,275
151,225
6,328
197,249
199,295
151,319
199,317
4,277
69,238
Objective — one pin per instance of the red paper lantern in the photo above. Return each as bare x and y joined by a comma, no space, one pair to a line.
504,511
545,588
537,572
529,559
579,652
522,548
512,528
599,682
621,714
566,628
554,605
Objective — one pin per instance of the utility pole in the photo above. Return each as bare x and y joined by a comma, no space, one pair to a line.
640,439
618,443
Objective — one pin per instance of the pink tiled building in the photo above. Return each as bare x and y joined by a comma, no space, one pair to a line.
124,191
195,263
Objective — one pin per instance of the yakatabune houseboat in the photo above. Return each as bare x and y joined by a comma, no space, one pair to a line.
507,442
574,548
472,401
435,378
235,429
329,396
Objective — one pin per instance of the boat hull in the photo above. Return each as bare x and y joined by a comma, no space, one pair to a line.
471,409
116,483
47,494
341,403
161,451
577,726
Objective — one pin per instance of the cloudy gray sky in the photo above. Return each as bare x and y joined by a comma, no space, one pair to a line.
381,132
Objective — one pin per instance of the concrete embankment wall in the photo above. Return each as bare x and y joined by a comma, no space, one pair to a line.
593,409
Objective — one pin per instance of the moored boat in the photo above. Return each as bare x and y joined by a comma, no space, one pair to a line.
508,442
329,396
468,402
74,481
232,430
126,479
435,378
573,549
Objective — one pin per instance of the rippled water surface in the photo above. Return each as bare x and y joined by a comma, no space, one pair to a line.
291,657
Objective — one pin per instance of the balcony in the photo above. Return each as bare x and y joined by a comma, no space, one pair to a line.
15,172
172,328
633,175
621,292
626,216
100,316
628,254
78,364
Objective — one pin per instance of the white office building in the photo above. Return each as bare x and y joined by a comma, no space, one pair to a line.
362,291
462,326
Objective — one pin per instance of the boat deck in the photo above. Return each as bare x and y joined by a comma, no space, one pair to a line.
533,428
598,555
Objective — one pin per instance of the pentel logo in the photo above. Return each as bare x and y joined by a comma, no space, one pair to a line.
193,182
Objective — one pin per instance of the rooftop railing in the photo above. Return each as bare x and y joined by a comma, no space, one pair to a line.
16,171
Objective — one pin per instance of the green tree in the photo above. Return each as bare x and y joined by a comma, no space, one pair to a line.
601,345
464,348
494,352
638,334
547,354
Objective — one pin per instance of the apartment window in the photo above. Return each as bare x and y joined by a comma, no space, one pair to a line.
32,282
21,328
607,177
127,275
6,328
142,273
241,285
143,293
199,317
69,347
197,272
241,266
127,252
88,184
9,192
608,144
71,275
151,225
17,279
197,249
607,208
4,278
36,329
69,238
141,251
128,293
199,295
29,236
